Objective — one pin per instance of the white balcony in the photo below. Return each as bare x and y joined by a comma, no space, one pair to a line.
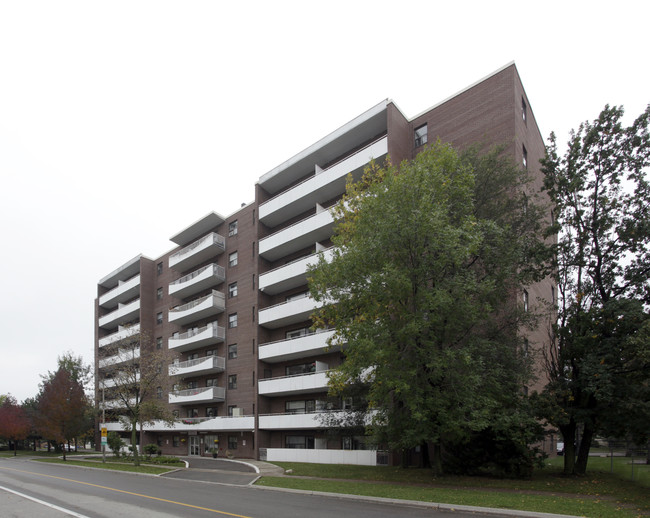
291,275
221,424
121,334
198,395
121,357
206,365
207,306
295,348
323,456
198,252
300,235
111,404
123,314
298,384
199,280
197,338
286,313
326,184
111,382
295,421
125,290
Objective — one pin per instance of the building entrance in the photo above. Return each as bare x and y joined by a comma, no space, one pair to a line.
195,448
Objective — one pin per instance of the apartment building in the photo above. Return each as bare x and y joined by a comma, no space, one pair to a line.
230,305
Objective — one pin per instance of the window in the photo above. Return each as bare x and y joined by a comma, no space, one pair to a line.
211,352
232,442
176,414
524,158
211,382
421,135
525,301
232,381
303,368
159,342
192,356
159,318
232,228
526,346
253,281
524,115
159,268
302,442
192,412
553,294
232,259
297,333
232,290
300,407
159,293
253,313
296,296
211,412
232,351
231,410
232,320
192,384
176,441
159,392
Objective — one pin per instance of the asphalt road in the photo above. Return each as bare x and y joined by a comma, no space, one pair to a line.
91,493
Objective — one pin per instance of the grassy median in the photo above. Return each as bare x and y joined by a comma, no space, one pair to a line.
114,465
600,494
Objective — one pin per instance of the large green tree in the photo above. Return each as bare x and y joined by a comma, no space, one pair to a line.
423,291
598,362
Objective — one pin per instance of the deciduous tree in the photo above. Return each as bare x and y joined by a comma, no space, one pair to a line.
135,380
423,291
62,406
597,362
14,423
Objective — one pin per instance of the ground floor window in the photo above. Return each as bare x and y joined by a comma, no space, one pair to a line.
176,441
353,442
232,442
303,442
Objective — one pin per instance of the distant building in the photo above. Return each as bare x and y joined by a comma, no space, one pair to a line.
230,301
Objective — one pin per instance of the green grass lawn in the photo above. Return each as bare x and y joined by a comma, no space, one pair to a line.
598,495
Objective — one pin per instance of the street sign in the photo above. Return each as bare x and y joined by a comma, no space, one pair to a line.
104,436
103,431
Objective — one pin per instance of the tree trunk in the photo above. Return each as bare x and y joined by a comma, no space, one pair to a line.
647,450
569,436
426,461
437,458
134,445
583,451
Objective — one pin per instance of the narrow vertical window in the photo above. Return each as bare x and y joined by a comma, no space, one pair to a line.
525,301
159,268
524,154
232,228
232,259
420,135
524,115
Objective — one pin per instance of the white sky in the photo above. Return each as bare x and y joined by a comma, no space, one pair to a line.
123,122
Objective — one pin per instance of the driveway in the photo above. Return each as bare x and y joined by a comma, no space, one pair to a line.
220,471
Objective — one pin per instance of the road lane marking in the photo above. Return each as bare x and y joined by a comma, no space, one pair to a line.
216,511
42,502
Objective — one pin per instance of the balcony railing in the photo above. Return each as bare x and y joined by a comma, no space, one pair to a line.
126,332
197,395
121,357
309,344
198,251
289,312
198,337
205,277
123,314
202,365
295,384
211,304
125,290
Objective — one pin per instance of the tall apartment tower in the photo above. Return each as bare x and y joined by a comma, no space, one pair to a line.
230,302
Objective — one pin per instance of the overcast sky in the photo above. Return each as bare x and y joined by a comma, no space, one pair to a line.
123,122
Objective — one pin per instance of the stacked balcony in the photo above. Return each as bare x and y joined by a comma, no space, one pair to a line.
123,292
292,385
197,395
196,338
198,366
287,313
290,275
123,314
296,348
198,252
204,307
298,236
121,357
199,280
326,184
120,334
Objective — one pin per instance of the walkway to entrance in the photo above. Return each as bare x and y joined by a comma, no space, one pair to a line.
224,471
